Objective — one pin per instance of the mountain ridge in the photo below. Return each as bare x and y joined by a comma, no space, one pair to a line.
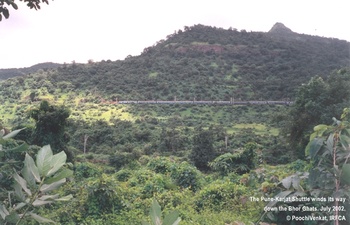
206,63
6,73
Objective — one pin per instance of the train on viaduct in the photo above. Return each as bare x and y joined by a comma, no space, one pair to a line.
209,102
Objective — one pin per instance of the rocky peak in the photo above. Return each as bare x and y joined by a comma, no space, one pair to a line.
279,28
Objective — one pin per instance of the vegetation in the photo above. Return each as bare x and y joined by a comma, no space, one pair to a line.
328,180
31,188
316,102
33,4
209,163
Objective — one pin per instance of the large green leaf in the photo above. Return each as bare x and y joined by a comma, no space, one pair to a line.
345,141
12,134
39,202
43,160
330,143
172,218
296,182
20,205
12,218
57,162
21,148
63,173
287,182
23,183
65,198
315,146
18,192
30,172
40,219
3,211
155,213
53,186
345,176
48,197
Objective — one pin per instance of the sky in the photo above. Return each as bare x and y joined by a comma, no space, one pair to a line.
82,30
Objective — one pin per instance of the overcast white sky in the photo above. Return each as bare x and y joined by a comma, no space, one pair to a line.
80,30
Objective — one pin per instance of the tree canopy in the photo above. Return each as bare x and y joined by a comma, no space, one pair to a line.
316,102
4,11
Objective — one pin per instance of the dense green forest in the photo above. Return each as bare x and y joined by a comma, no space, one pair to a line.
210,163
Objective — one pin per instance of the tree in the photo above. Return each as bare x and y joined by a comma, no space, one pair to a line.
328,182
241,161
33,4
316,102
50,126
203,150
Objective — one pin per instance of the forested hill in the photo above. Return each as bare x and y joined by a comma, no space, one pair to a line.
205,63
14,72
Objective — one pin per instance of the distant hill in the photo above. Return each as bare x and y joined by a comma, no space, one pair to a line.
14,72
203,63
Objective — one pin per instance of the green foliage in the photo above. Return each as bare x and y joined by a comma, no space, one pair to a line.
220,195
201,63
11,157
30,3
86,170
203,150
103,196
123,175
315,103
182,174
241,161
161,165
120,159
155,214
329,153
31,188
50,127
186,176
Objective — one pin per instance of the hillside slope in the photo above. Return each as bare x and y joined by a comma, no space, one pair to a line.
211,63
14,72
200,62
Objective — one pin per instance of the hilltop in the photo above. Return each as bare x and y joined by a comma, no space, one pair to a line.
206,62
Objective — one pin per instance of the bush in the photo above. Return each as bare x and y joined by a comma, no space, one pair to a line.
220,195
86,170
186,176
160,165
241,161
120,159
123,175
